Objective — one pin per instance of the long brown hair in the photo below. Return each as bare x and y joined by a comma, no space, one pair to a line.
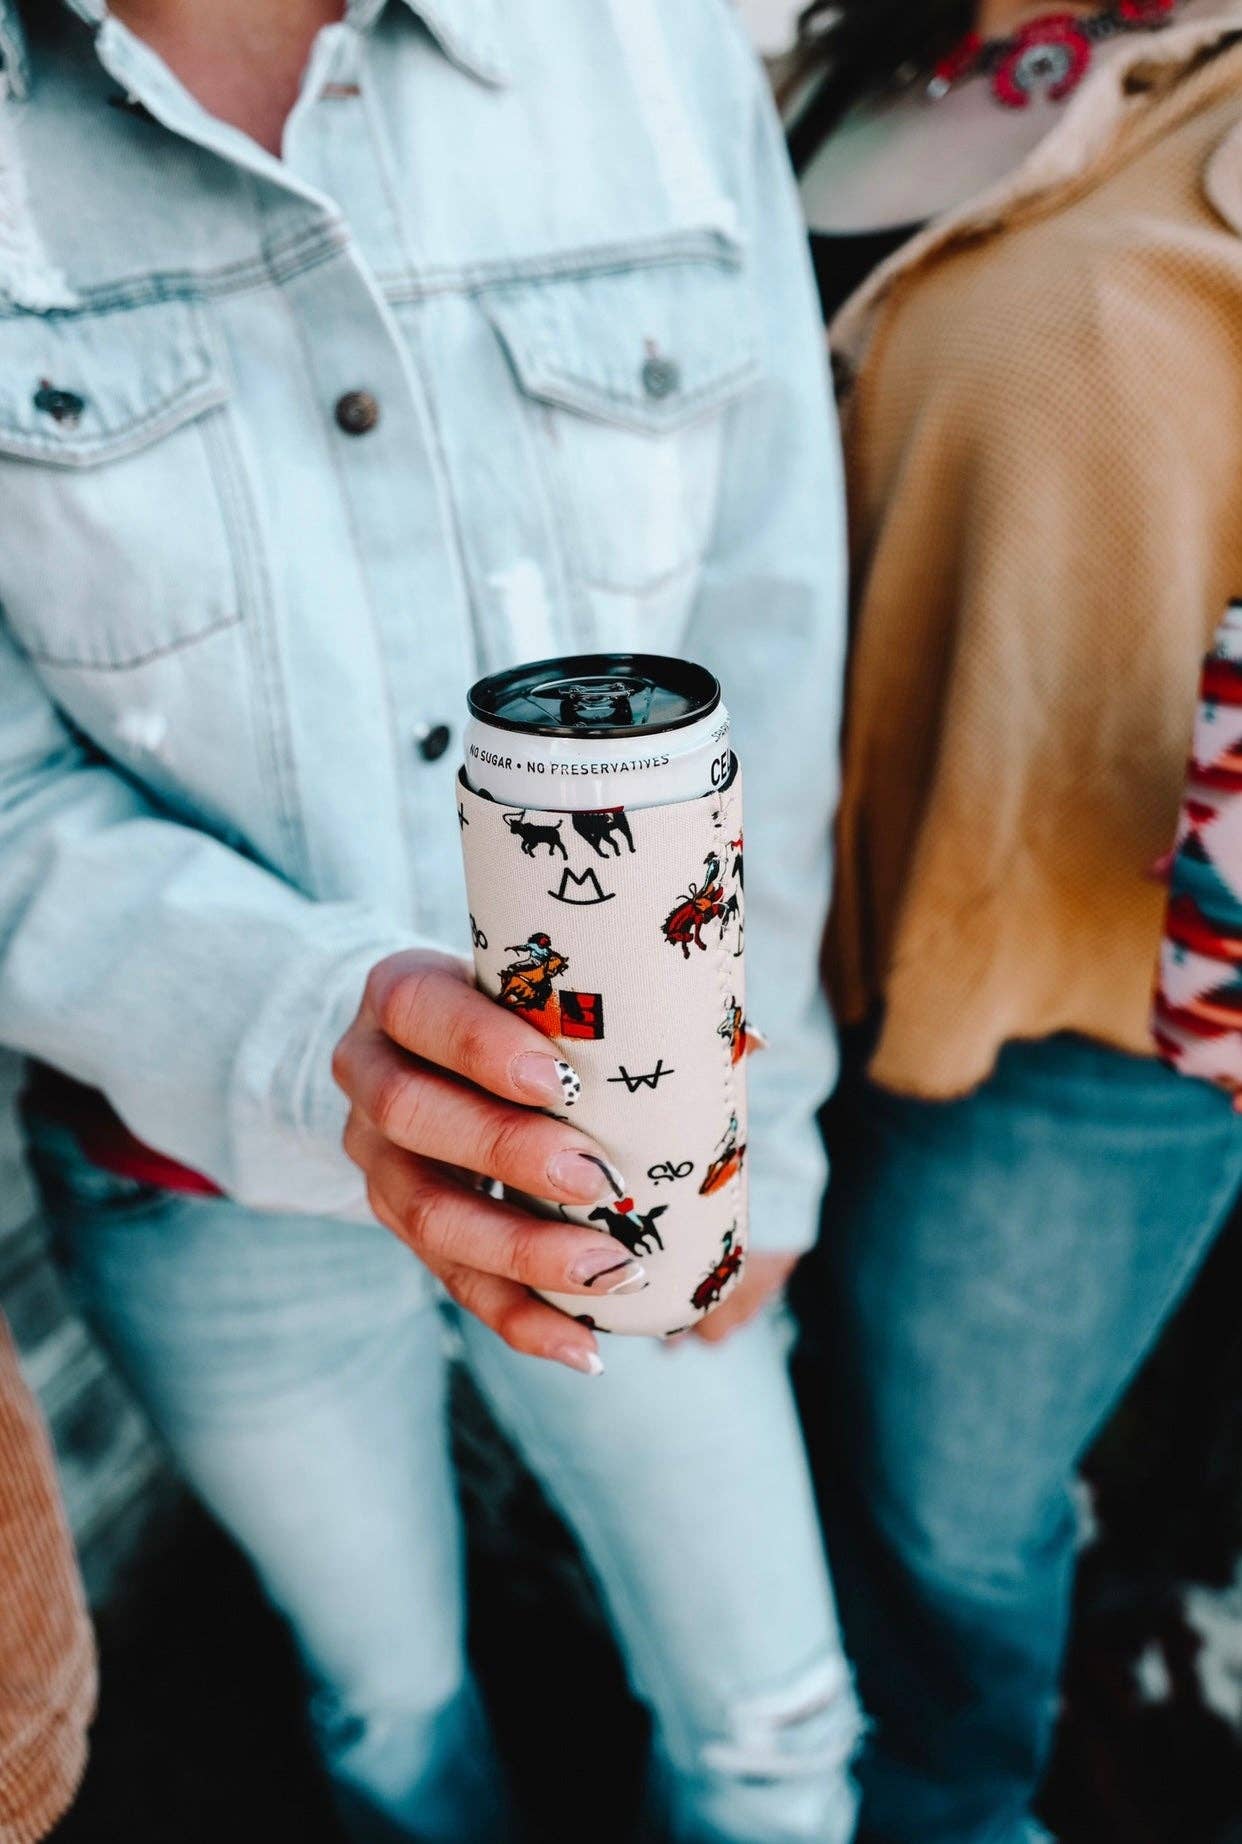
862,45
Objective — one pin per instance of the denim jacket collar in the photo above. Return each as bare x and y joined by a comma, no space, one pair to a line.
467,31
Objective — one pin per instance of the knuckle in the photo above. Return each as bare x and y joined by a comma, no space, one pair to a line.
460,1286
423,1215
399,1005
470,1045
377,1203
394,1104
524,1251
507,1146
510,1324
379,983
343,1063
354,1138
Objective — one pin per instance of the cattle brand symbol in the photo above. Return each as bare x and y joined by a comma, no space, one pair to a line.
652,1079
667,1170
586,881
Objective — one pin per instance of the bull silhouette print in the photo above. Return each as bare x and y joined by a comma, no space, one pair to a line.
533,835
599,829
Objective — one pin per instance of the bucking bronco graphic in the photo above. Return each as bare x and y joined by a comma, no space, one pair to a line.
733,910
727,1163
701,904
526,986
713,1285
737,1031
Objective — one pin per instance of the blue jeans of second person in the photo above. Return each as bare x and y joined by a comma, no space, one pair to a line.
992,1273
297,1368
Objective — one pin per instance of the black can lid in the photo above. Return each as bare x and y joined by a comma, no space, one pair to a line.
596,694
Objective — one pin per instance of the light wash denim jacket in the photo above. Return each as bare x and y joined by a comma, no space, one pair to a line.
230,626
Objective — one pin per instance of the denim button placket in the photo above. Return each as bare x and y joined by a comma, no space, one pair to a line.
433,741
357,412
661,376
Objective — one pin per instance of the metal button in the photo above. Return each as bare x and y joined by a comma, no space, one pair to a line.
357,412
661,376
62,406
433,741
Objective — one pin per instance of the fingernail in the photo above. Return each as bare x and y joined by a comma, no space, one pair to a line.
590,1363
580,1176
546,1078
609,1273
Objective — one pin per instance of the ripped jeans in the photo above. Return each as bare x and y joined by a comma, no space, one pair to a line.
993,1271
297,1369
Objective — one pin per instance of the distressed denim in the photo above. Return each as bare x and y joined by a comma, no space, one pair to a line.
295,1367
556,243
514,352
993,1271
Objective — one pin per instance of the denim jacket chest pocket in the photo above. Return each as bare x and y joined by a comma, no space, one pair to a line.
627,374
121,572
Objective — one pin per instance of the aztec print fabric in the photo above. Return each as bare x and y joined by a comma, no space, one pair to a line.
620,935
1198,1010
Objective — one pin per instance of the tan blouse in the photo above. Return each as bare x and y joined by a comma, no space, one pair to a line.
1044,451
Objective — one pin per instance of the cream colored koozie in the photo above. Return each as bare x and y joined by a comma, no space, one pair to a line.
619,935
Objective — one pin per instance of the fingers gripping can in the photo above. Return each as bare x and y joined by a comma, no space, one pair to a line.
595,731
600,807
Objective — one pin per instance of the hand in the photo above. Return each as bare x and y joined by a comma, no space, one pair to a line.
762,1279
433,1071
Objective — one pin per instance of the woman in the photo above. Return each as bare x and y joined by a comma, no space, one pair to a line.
1042,381
342,360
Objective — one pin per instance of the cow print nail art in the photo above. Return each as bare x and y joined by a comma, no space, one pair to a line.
571,1082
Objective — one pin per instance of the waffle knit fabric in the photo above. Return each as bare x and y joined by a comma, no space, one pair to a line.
1044,444
47,1657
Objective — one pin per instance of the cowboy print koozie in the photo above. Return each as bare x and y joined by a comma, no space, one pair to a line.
619,935
1197,1020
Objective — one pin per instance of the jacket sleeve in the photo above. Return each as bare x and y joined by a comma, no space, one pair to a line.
197,990
770,621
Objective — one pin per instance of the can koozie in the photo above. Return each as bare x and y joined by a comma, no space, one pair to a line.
619,935
1197,1019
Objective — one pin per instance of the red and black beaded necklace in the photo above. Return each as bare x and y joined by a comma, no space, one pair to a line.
1049,57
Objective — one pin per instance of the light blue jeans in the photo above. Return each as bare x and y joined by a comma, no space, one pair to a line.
993,1272
296,1367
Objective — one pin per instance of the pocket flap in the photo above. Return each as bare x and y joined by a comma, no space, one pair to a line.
651,348
81,387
